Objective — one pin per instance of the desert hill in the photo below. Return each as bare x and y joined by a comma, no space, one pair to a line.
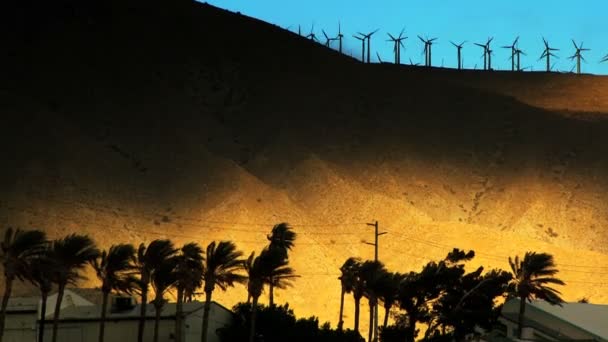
134,120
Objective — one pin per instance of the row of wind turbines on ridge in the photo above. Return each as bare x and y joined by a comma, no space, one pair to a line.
397,41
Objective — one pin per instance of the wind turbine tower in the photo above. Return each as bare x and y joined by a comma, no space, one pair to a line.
547,53
369,42
578,55
398,44
513,48
363,40
428,52
459,53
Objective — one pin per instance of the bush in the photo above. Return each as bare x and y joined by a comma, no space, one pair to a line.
279,324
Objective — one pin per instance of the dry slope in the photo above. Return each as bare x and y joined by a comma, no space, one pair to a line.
131,122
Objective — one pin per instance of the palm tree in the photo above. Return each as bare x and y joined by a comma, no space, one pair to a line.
162,279
347,280
40,274
221,268
256,271
70,256
358,290
372,274
149,259
531,277
281,239
388,292
188,277
259,270
17,248
114,268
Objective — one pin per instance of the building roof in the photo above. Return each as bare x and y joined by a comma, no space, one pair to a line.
91,294
92,312
23,304
592,318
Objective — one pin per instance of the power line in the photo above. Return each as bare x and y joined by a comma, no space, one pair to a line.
211,228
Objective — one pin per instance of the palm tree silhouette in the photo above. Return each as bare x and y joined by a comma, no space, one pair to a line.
358,290
281,239
260,270
372,274
114,268
256,272
281,275
188,277
18,247
40,274
162,279
221,268
149,259
347,279
70,256
531,277
388,292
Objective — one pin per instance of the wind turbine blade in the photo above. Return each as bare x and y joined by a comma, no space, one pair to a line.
421,39
516,41
401,33
546,43
325,34
392,38
574,43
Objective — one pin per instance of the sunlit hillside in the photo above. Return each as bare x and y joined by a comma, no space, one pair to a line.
132,123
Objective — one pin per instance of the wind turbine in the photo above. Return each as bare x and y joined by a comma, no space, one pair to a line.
548,54
413,64
362,39
339,37
459,49
578,55
327,39
312,35
398,43
487,54
518,53
428,44
513,48
369,42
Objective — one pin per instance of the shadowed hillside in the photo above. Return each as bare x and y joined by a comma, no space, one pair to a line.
144,120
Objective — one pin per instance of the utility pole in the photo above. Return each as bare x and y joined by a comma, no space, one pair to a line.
375,244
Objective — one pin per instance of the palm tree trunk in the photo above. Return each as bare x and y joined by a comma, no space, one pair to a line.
340,321
371,321
387,310
8,287
357,301
270,293
179,309
57,311
412,326
206,310
157,310
142,315
102,318
522,312
254,309
44,296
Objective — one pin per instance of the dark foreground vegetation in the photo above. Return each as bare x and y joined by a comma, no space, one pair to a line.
451,303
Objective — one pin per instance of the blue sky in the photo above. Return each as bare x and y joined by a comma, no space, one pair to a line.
471,20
